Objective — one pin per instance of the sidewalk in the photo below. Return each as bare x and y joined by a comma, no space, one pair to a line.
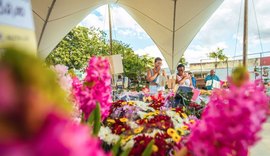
263,146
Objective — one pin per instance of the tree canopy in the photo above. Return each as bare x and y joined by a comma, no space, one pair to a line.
81,43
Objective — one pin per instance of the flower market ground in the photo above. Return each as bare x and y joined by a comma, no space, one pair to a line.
263,146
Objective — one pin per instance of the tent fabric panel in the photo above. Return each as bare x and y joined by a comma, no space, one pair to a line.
38,25
160,11
63,8
185,35
57,30
40,7
160,36
186,10
154,16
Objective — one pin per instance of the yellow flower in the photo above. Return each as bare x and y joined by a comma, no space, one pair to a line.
184,115
176,138
171,132
126,139
184,127
180,131
111,120
138,130
154,148
192,121
149,114
123,119
124,103
130,103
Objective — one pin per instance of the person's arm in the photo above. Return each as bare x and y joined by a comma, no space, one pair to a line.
182,81
218,78
150,78
191,83
164,74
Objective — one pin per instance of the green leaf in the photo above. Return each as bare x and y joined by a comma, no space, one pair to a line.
97,120
82,119
91,118
116,147
126,152
148,150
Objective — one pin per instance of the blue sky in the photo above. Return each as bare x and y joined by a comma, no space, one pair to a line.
219,31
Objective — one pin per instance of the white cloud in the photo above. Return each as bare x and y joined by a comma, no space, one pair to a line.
152,51
222,28
122,22
198,52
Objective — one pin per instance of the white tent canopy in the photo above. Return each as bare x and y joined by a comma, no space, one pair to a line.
172,24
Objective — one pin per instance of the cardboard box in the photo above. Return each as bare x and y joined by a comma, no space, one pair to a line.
171,82
116,65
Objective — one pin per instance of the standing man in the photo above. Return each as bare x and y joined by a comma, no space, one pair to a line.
212,81
119,83
193,79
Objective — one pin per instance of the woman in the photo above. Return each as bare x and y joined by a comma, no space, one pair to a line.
154,77
182,78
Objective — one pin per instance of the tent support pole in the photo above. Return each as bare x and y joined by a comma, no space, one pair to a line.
46,21
245,38
173,37
110,28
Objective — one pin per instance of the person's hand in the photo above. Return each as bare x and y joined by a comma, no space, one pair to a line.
157,70
185,76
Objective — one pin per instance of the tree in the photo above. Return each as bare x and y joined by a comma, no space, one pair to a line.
81,43
218,55
183,61
77,47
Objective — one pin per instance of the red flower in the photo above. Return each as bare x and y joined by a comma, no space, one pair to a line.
119,127
162,122
157,102
160,147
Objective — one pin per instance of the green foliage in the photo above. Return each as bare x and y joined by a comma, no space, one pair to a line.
148,149
116,148
183,61
218,55
77,47
81,43
126,152
95,119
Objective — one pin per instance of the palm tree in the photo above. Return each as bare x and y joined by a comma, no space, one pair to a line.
218,55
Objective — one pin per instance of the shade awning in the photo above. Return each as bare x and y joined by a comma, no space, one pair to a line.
171,24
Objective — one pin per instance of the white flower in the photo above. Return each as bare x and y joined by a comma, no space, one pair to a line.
176,119
141,114
144,106
133,125
154,132
64,79
129,144
106,135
